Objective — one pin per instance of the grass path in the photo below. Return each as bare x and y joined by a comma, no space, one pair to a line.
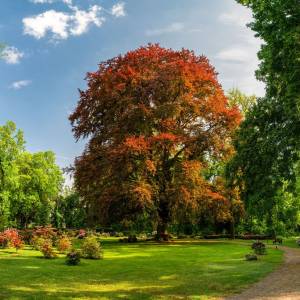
282,284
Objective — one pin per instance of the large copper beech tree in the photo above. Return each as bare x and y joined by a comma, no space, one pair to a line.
154,119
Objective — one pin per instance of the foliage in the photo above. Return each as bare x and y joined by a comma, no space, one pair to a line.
37,242
73,257
81,234
64,244
155,119
11,238
242,101
47,249
267,143
29,182
42,235
259,248
69,210
3,240
91,248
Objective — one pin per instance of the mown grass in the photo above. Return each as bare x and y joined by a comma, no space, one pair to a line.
291,242
179,270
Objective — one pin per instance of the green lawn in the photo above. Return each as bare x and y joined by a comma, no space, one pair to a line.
291,242
181,270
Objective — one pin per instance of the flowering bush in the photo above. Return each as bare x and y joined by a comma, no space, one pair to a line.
73,258
11,238
81,234
26,235
3,241
18,244
37,242
47,249
46,232
64,244
91,248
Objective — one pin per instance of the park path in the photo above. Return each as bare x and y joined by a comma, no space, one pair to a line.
282,284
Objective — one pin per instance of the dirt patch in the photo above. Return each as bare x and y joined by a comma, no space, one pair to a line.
282,284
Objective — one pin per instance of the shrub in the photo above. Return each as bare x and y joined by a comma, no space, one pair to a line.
81,234
47,233
18,244
73,257
277,240
132,239
259,248
91,248
47,249
37,242
251,257
3,241
298,242
64,244
11,238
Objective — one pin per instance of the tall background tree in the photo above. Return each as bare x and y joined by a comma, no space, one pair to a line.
155,119
267,143
29,183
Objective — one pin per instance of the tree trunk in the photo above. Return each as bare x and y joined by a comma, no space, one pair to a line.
162,231
232,229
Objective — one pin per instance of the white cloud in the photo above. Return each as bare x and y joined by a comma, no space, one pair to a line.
61,24
241,17
12,55
118,10
173,27
235,54
41,1
69,2
238,61
81,20
20,84
51,20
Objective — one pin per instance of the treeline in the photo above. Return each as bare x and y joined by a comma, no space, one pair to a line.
31,186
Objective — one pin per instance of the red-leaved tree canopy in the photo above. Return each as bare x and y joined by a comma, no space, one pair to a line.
154,119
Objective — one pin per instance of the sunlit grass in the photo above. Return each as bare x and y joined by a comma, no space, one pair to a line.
181,270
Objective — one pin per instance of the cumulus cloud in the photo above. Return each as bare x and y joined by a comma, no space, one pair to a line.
60,25
118,10
173,27
12,55
20,84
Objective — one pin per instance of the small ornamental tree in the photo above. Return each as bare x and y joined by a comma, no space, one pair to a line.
155,119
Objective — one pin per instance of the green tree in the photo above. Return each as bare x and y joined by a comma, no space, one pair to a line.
39,183
70,211
267,142
11,146
29,183
242,101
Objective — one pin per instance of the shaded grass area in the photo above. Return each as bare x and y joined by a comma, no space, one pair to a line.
179,270
291,242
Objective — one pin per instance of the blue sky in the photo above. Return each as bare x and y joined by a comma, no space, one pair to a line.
51,44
